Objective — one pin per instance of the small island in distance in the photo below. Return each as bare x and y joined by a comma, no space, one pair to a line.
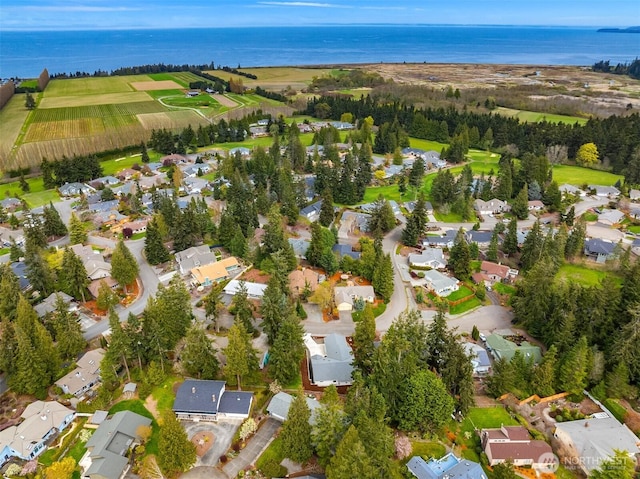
620,30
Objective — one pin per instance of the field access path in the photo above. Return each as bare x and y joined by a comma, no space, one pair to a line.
221,99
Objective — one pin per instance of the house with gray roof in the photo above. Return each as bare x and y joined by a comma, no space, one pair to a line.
312,212
195,186
104,181
10,204
194,257
634,195
85,376
439,283
447,467
599,250
330,362
345,296
106,456
204,400
444,241
40,423
345,250
605,191
75,189
429,258
610,217
594,440
244,152
104,206
300,247
479,358
94,263
571,190
49,304
7,235
279,405
494,206
482,238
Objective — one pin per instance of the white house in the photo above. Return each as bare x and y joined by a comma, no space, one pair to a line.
494,206
429,258
254,290
345,296
40,422
571,190
605,191
440,284
330,362
610,217
85,376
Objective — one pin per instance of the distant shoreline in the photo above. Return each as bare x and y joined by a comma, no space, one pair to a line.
619,30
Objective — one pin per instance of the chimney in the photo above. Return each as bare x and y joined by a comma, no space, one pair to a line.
213,398
193,390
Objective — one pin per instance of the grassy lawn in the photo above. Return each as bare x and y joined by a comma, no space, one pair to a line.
582,274
138,236
12,118
465,306
427,144
463,292
295,384
272,454
448,218
634,229
427,450
111,167
588,216
535,116
577,175
616,409
390,192
164,394
504,288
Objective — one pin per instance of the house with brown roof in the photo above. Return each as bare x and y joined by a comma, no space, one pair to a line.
513,443
300,278
492,273
215,272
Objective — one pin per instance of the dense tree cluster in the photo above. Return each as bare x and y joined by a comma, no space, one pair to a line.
632,69
70,170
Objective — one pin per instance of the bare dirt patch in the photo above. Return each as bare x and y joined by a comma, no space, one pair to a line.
152,406
156,85
224,101
256,276
203,441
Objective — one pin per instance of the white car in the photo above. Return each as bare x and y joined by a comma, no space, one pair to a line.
483,338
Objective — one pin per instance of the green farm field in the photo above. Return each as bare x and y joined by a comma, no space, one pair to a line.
12,117
92,85
96,99
535,117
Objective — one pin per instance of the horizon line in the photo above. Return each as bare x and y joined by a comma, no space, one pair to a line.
350,25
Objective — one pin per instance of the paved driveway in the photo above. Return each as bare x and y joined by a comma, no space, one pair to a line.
223,432
253,449
204,472
488,319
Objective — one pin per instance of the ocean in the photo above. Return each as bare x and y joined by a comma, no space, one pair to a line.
24,54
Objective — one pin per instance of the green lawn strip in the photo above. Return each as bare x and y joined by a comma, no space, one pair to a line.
41,198
168,76
54,454
536,116
616,409
582,274
427,145
295,384
138,236
504,288
462,292
577,175
465,306
164,394
426,450
448,218
588,216
155,94
272,454
389,192
200,101
111,167
634,229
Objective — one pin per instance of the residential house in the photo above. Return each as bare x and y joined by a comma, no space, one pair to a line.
342,125
215,272
492,273
393,170
311,150
8,235
635,247
10,204
513,443
330,362
204,400
129,188
108,447
193,257
482,238
300,247
605,191
104,206
599,250
40,423
244,152
193,171
444,241
49,304
173,159
571,190
127,174
258,131
479,358
312,212
634,195
345,250
634,212
429,258
195,186
109,219
491,207
501,347
346,296
353,223
94,286
439,283
103,181
75,189
148,182
278,407
85,376
447,467
136,227
535,205
610,217
303,278
94,263
591,441
19,268
254,290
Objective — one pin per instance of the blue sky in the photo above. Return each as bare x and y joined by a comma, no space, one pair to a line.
102,14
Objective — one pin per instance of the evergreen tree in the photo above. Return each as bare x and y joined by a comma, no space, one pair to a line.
510,243
124,268
77,231
238,246
417,173
213,304
574,368
520,205
68,332
575,241
198,357
329,426
106,297
382,218
552,197
382,281
492,252
176,453
416,223
544,375
242,309
275,307
363,338
53,225
73,275
460,257
296,431
326,209
287,352
29,102
351,459
39,273
154,249
119,349
241,357
15,252
144,154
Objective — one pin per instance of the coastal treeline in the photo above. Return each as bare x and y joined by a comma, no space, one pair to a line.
632,69
616,137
